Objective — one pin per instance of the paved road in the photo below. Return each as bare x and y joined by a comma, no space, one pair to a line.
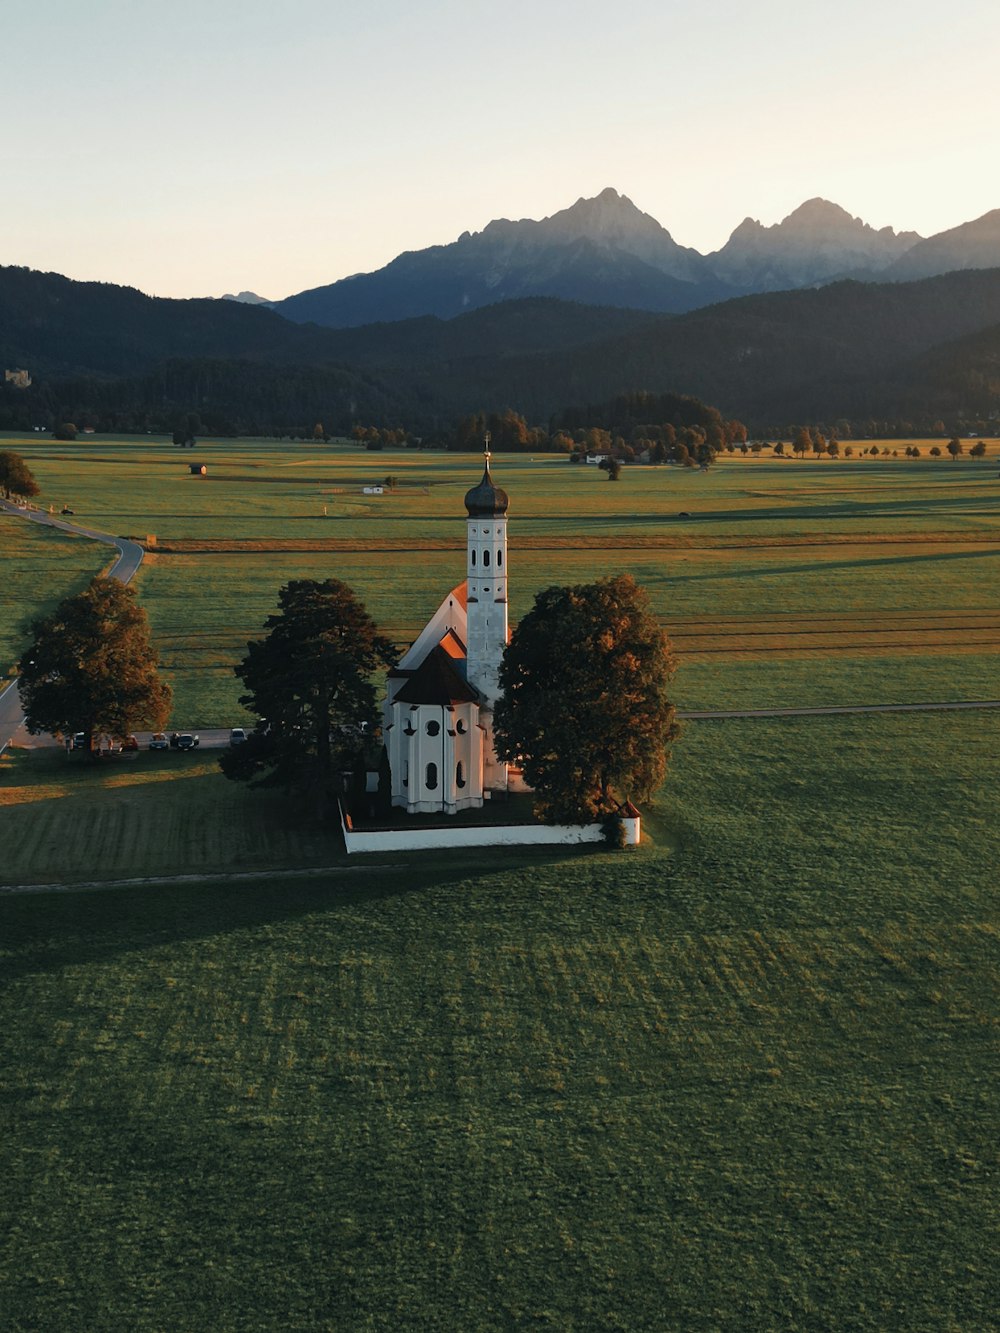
128,561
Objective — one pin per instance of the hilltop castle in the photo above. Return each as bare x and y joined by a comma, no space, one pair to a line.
438,714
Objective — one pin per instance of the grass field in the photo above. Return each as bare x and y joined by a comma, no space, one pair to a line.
39,567
741,1078
748,1083
789,581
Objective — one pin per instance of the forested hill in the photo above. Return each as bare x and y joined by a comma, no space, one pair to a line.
57,327
894,349
841,350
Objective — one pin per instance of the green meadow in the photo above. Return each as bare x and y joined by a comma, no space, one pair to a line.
780,581
742,1077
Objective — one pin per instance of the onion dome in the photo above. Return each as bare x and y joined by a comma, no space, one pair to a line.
486,500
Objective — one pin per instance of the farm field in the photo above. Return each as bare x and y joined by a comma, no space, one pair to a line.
789,582
743,1077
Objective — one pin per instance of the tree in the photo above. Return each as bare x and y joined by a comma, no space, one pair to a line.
954,446
584,708
91,667
978,450
310,679
612,466
15,477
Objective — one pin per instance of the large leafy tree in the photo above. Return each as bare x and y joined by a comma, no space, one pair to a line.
91,667
310,679
15,476
585,710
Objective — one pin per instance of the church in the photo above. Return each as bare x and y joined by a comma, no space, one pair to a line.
438,714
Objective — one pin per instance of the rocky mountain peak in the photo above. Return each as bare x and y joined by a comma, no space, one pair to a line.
817,242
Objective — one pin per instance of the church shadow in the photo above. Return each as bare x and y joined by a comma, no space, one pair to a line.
46,933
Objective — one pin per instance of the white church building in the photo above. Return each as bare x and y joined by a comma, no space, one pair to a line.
438,716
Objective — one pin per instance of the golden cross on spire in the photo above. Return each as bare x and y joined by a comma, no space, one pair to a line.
486,446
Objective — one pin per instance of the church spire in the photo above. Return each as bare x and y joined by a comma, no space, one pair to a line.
487,500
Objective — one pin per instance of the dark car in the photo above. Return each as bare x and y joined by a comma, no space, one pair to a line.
79,740
159,741
186,741
66,510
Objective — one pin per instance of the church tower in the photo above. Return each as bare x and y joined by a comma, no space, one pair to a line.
486,627
486,575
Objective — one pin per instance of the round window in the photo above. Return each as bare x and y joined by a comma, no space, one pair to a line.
433,728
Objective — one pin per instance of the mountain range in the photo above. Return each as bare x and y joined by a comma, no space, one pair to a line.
537,316
915,351
606,251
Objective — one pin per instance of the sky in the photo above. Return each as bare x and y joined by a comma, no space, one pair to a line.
197,147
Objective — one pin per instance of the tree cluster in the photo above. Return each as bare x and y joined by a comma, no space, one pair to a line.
585,709
310,682
91,667
16,479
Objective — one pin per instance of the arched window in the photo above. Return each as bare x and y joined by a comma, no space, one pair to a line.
486,557
460,727
499,558
409,729
473,557
433,728
406,772
459,775
431,777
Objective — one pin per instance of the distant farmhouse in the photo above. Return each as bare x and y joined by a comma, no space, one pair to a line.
438,715
20,379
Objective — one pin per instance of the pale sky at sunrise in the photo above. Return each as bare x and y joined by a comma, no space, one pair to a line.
194,147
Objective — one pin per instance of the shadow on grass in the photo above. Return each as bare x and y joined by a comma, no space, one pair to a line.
873,563
48,932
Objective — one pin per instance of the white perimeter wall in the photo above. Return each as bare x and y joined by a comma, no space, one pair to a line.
487,835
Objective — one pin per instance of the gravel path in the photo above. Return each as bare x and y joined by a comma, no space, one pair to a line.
227,877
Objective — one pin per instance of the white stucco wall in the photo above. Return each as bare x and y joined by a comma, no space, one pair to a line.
486,835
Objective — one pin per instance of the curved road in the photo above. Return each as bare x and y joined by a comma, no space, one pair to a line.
129,559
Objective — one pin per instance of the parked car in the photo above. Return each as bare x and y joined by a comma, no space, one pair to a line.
79,740
159,741
130,743
187,741
237,736
66,510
